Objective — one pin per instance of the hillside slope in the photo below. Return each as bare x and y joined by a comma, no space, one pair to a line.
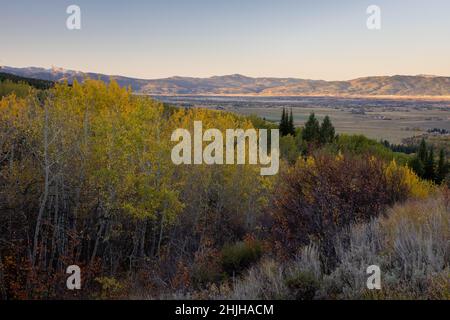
236,84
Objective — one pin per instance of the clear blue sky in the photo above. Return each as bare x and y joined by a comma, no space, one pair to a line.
320,39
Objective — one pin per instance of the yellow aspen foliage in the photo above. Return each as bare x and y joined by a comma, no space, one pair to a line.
403,177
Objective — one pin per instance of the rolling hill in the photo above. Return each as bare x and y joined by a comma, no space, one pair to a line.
236,84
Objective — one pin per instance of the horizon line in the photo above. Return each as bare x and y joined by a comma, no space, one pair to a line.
223,75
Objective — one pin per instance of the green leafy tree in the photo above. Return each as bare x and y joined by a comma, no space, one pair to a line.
289,149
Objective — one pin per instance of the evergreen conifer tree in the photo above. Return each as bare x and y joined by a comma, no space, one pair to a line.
283,122
429,166
327,132
311,132
417,166
422,153
291,127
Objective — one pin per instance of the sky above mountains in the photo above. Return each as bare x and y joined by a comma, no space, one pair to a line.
321,39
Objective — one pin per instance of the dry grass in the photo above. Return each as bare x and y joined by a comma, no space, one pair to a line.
411,245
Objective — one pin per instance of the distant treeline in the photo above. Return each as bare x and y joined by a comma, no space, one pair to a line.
438,131
35,83
425,165
408,149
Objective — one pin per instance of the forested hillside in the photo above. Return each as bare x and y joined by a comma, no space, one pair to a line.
86,178
36,83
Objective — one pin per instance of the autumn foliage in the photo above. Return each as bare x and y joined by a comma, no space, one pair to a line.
86,178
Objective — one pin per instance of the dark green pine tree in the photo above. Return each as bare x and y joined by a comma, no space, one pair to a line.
422,153
442,167
291,127
417,166
283,122
311,132
419,161
429,166
327,132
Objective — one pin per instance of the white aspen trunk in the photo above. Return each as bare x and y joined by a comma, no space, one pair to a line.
46,187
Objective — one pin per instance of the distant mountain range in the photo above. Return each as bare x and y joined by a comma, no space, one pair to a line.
236,84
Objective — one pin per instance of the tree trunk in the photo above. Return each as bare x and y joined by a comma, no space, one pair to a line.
45,193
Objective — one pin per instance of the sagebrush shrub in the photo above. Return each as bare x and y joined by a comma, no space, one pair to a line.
239,256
